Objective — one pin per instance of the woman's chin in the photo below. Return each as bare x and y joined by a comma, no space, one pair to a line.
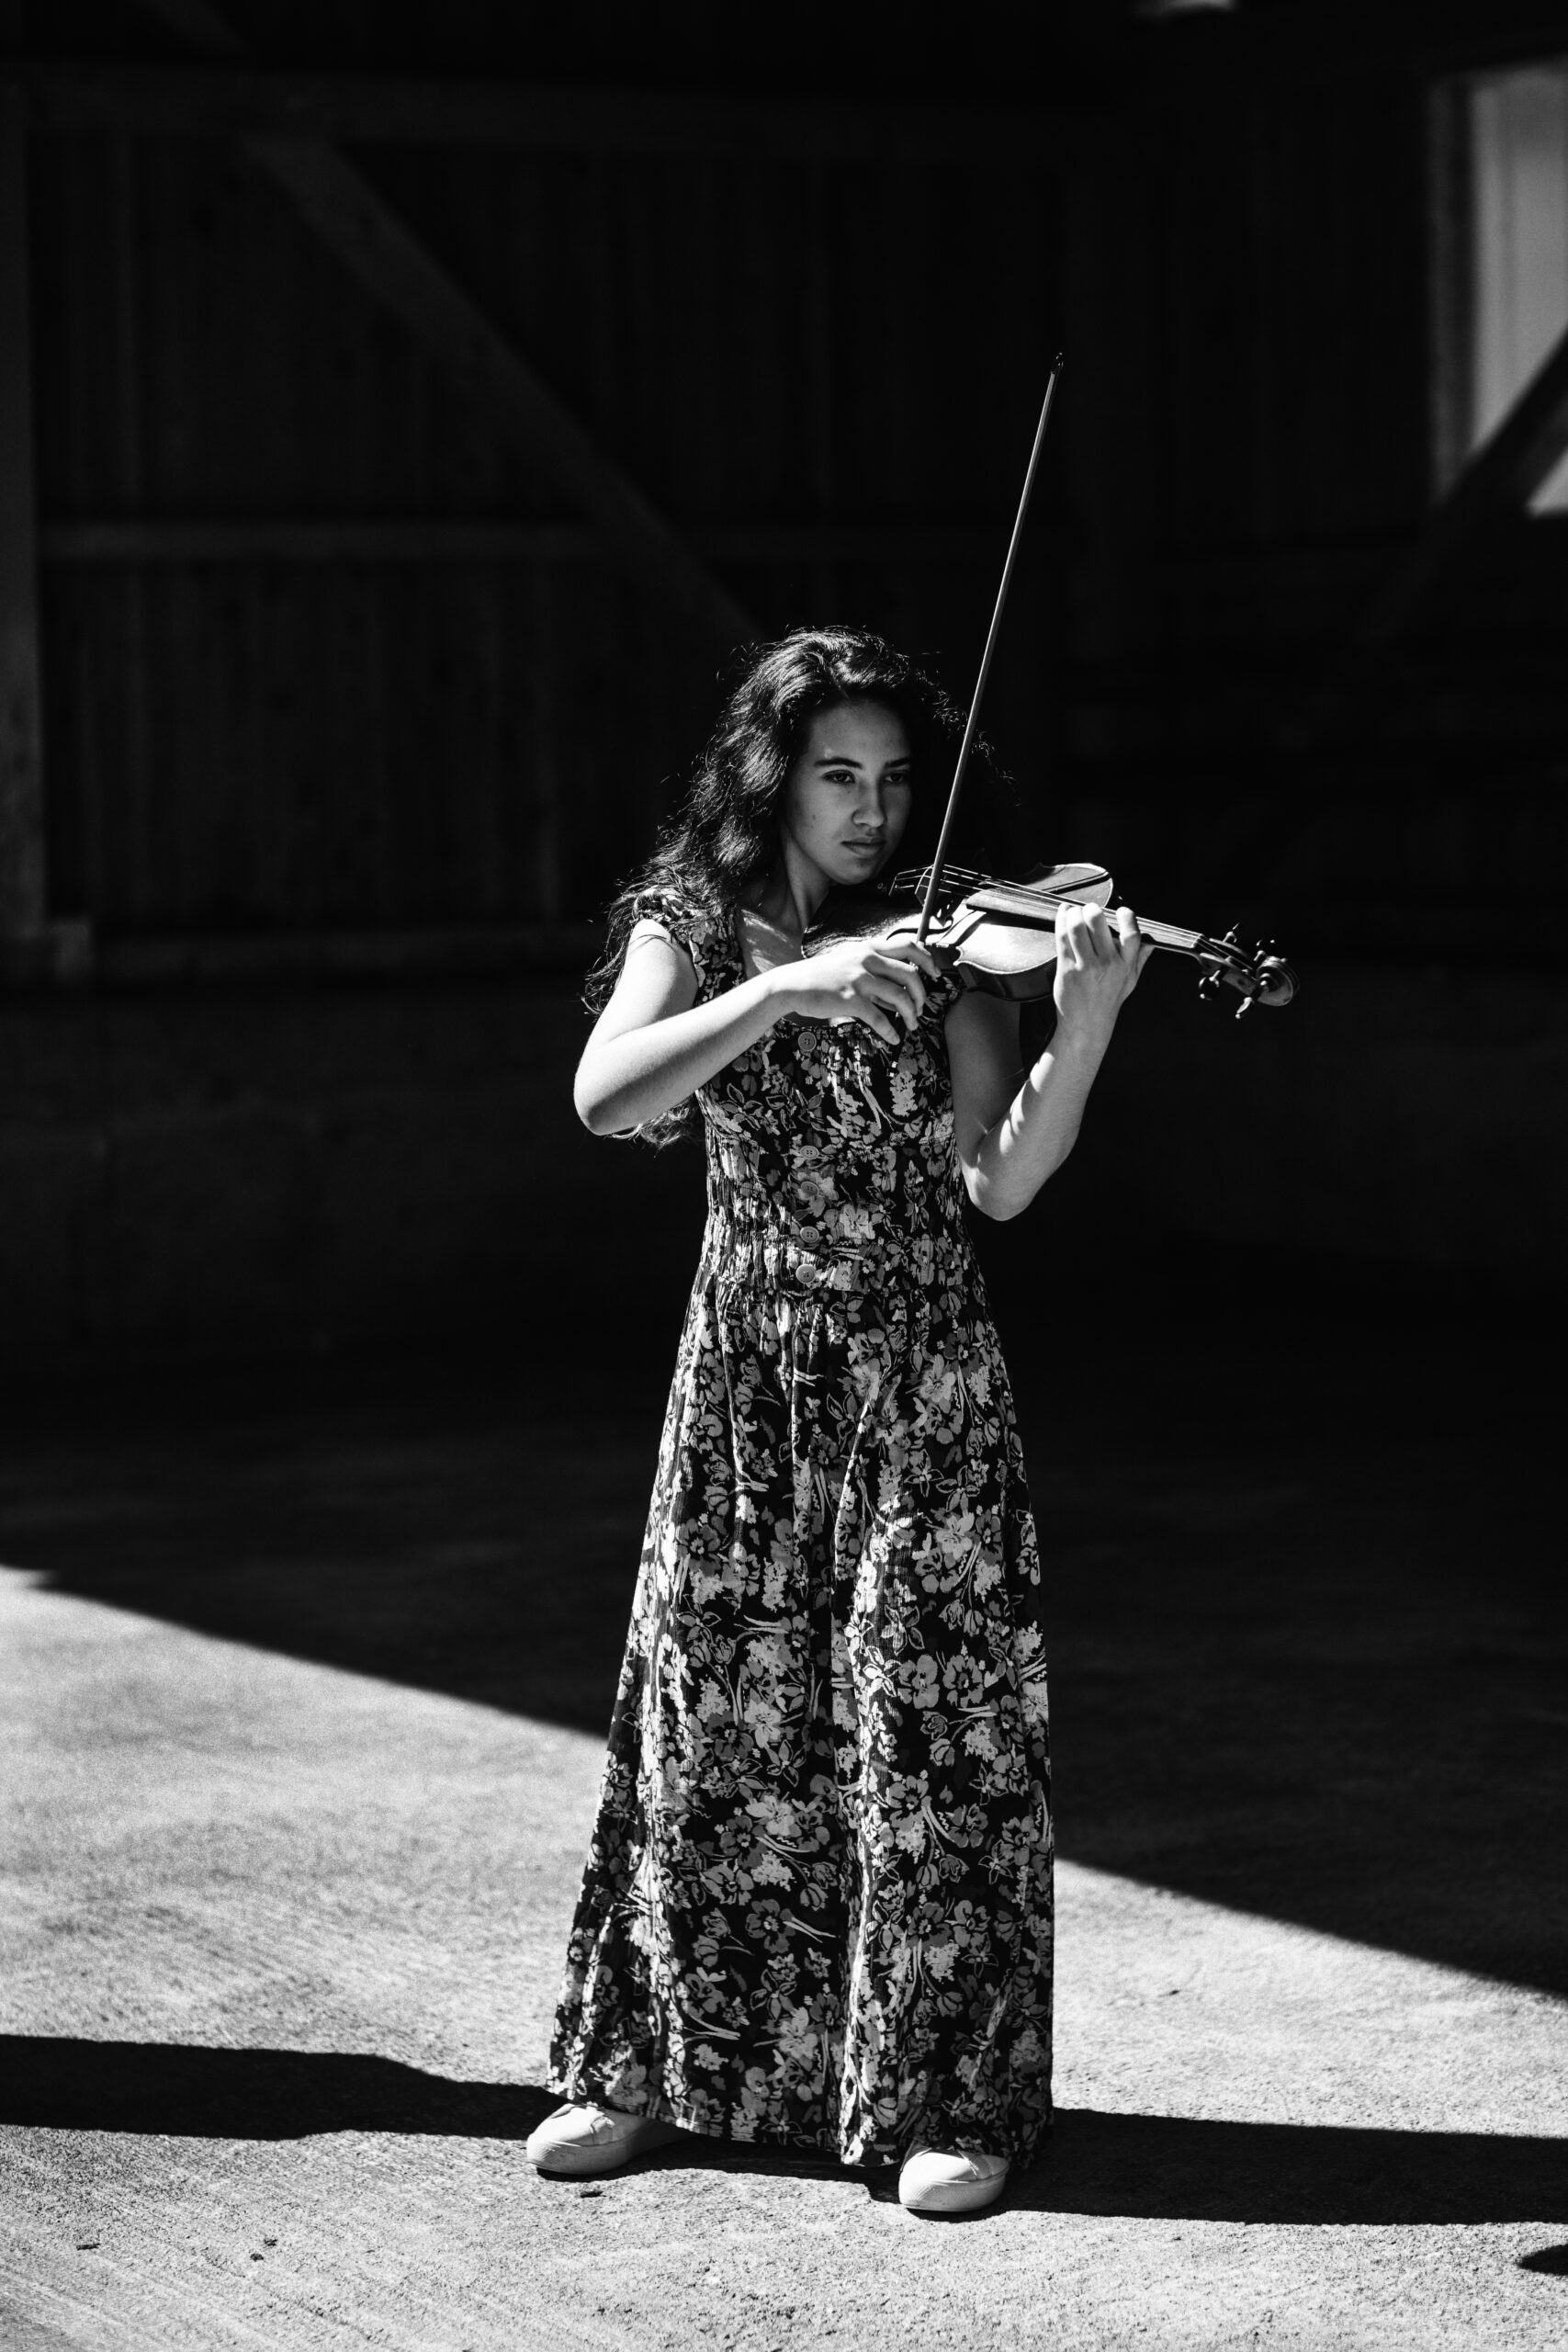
858,873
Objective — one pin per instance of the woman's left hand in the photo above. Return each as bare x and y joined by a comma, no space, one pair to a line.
1099,958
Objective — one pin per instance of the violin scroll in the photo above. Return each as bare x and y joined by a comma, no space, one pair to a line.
1262,976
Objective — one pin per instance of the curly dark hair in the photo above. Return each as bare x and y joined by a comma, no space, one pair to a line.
724,836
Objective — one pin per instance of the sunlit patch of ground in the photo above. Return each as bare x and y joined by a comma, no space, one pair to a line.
214,1850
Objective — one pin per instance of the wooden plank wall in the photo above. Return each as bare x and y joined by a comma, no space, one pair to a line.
1261,354
801,362
1257,309
259,743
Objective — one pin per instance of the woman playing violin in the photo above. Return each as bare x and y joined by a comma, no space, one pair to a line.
816,1911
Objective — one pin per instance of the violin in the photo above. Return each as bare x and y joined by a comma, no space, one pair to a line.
1000,937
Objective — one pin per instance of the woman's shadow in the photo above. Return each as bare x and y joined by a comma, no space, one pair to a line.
1156,2167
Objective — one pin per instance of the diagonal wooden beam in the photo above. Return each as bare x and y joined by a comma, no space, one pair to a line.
387,257
352,219
1506,471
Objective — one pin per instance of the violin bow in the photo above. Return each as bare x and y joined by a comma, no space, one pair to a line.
971,725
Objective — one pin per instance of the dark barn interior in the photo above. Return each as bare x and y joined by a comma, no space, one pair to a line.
411,441
405,414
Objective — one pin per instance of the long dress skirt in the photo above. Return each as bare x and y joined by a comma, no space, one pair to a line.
817,1910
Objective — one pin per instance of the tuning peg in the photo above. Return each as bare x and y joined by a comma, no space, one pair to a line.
1244,1006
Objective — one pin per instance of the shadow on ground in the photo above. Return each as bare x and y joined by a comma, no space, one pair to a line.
1307,1624
1156,2167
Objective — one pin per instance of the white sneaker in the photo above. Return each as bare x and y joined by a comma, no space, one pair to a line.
933,2182
583,2140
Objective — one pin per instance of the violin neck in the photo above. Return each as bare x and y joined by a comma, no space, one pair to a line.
1040,907
1171,935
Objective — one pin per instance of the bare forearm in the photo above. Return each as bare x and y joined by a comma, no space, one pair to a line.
624,1080
1039,1128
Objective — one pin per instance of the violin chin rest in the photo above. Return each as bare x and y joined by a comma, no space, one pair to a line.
1078,881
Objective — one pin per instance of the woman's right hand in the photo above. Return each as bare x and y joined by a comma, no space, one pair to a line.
880,982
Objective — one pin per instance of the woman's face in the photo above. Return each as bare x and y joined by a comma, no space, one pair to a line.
846,799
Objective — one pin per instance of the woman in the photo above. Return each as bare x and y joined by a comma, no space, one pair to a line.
817,1909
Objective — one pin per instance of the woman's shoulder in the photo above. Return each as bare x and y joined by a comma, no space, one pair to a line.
686,918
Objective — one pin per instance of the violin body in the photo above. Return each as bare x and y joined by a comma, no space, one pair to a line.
1000,937
998,955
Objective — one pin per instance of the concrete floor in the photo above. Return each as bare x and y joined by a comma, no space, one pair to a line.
304,1679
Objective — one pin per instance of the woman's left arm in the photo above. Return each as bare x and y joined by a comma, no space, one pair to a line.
1011,1137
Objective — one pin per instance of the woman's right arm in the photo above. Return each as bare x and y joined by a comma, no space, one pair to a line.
653,1045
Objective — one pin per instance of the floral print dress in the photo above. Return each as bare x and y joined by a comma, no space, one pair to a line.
816,1911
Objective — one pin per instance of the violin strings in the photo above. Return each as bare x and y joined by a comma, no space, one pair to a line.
1172,933
1163,934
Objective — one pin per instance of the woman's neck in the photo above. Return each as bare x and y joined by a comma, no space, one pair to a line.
789,897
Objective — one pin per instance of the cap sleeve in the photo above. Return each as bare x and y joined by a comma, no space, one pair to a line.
695,928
